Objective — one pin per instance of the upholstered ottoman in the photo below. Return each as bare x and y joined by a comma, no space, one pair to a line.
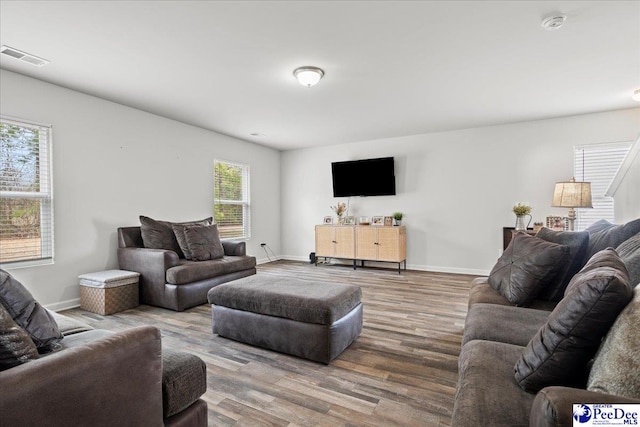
313,320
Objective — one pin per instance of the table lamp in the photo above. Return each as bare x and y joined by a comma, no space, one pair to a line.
572,195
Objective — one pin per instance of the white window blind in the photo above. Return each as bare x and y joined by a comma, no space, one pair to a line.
598,164
26,202
231,206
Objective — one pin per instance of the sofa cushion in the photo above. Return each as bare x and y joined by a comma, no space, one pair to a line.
203,242
193,271
560,350
69,326
487,394
29,314
616,367
603,234
15,345
577,241
184,380
526,267
629,252
508,324
159,234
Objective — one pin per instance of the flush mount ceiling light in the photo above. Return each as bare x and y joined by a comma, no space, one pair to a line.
636,95
553,22
23,56
308,76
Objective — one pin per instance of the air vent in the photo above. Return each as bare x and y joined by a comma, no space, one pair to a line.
23,56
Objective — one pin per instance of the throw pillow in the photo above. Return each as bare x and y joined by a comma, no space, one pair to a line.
577,241
559,352
204,242
629,252
29,314
602,236
178,231
160,235
616,367
527,266
15,345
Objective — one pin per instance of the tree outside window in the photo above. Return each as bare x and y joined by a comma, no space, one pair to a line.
231,199
25,195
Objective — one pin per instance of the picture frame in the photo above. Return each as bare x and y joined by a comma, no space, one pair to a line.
388,221
328,220
350,220
377,220
558,223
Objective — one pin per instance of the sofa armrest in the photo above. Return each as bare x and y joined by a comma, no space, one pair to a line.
553,406
114,380
152,264
234,248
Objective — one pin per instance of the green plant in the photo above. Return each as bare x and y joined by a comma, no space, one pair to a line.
397,216
521,209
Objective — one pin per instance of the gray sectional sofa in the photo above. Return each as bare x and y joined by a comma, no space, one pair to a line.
526,363
56,371
167,278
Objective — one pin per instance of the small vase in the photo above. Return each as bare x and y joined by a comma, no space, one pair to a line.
520,222
398,222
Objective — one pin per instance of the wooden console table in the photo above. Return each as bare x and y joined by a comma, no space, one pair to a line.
507,235
362,243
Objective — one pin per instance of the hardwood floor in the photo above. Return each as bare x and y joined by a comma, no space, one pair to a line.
401,371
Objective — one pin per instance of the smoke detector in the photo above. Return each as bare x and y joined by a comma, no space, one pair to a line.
554,22
23,56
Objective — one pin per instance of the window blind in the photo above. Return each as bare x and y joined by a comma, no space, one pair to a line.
231,205
26,200
598,164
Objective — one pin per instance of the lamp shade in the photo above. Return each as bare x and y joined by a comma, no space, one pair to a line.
572,194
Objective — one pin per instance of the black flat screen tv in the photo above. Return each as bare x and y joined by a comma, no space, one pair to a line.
368,177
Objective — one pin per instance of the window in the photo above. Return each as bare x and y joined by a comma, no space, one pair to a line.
231,199
26,205
598,164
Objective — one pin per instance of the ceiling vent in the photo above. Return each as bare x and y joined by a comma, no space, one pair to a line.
23,56
553,22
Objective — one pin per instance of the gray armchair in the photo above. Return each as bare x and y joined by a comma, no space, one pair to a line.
177,283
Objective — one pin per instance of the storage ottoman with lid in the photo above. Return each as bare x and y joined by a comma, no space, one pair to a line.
313,320
108,292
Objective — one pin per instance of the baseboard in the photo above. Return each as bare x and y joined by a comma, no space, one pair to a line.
266,260
64,305
432,268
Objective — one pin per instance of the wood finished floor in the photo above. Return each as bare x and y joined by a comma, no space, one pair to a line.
401,371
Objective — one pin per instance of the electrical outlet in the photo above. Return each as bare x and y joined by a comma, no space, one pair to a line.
263,244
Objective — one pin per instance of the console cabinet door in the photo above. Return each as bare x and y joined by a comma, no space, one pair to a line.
391,244
335,241
344,242
325,236
366,243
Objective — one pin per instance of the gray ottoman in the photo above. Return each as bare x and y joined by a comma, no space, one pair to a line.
313,320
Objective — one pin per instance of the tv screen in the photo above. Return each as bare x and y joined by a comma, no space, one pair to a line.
369,177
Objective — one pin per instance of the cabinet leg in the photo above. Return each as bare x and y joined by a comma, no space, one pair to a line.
354,264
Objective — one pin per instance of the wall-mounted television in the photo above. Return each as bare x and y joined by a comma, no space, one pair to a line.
367,177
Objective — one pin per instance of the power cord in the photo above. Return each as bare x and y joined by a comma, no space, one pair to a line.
266,251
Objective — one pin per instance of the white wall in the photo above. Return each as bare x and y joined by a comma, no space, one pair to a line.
627,195
456,188
112,163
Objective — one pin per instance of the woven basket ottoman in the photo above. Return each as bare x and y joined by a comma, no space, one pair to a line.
312,320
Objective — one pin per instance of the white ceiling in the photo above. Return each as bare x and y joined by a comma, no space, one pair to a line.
392,68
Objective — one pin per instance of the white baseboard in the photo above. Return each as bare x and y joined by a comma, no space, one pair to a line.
432,268
64,305
266,260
